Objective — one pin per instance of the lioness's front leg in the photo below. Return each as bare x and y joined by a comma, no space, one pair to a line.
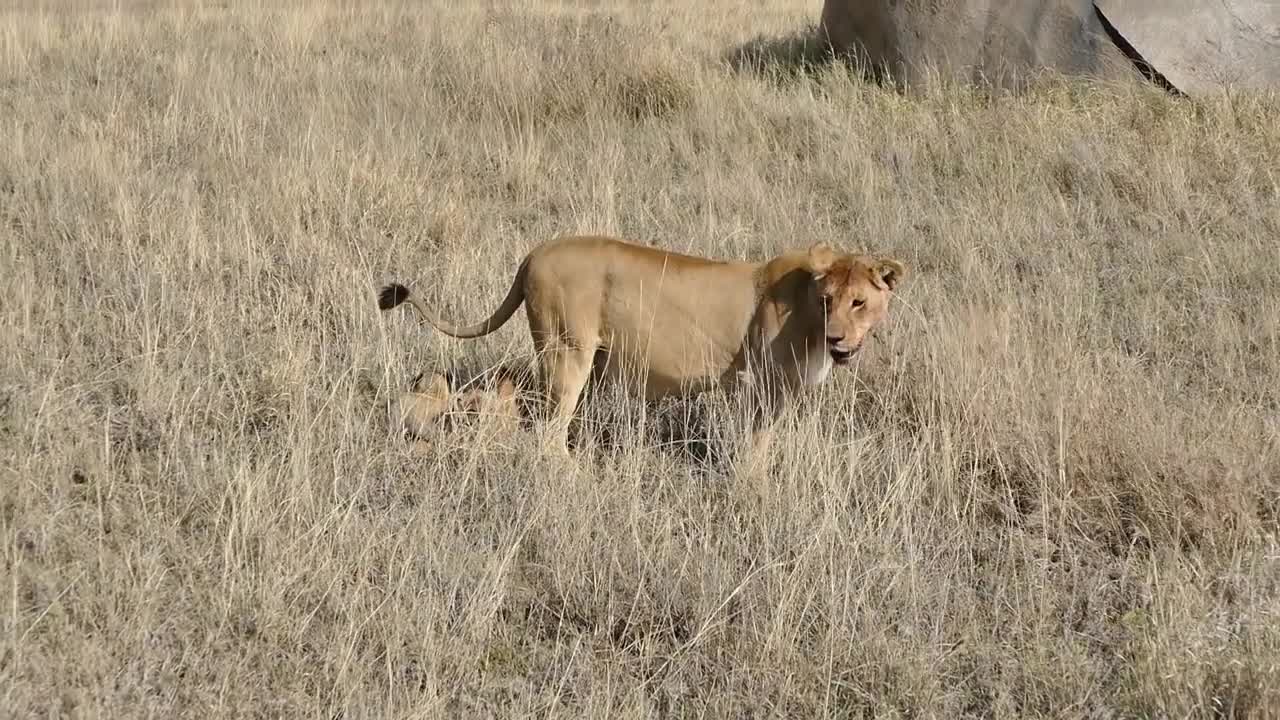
766,399
759,445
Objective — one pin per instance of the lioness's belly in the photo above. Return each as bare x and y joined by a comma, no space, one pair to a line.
661,372
673,332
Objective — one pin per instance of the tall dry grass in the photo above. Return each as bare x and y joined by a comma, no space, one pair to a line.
1049,489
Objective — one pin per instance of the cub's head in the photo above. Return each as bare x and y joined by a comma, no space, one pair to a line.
852,295
424,404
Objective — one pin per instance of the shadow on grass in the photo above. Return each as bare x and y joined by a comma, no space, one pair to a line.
787,56
685,428
798,55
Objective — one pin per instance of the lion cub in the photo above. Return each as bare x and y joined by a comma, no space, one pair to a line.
430,405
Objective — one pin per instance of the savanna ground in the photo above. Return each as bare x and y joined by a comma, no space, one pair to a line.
1048,489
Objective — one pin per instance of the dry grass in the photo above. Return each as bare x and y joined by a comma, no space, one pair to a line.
1050,490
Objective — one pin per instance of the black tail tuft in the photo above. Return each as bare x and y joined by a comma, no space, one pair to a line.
392,295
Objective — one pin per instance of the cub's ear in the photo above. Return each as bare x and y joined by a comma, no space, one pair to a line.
821,258
434,385
888,273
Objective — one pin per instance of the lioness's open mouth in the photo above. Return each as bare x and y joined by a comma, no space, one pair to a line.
840,356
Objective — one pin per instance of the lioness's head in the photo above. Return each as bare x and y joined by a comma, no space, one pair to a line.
852,295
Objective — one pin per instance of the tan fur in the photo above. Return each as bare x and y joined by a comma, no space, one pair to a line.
424,404
601,307
431,404
498,408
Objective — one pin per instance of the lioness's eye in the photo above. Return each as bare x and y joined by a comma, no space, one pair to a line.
857,303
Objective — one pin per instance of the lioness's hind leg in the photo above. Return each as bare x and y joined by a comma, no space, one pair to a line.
566,371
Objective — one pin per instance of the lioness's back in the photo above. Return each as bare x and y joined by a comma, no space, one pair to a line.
605,247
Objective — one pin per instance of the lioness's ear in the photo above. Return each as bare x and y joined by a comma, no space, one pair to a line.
888,272
820,260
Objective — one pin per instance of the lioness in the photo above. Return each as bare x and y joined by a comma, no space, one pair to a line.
680,324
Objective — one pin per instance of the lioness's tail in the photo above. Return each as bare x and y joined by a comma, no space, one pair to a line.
395,293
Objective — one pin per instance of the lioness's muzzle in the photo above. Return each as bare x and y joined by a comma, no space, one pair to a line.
840,354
